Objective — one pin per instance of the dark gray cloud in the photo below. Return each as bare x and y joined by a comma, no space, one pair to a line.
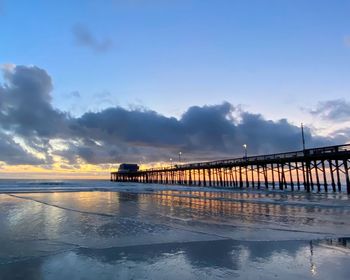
84,37
117,134
141,128
14,154
26,106
201,133
333,110
26,110
266,136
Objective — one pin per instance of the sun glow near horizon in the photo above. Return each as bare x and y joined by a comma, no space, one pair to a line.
63,171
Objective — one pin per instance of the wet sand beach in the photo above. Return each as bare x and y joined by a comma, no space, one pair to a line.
101,230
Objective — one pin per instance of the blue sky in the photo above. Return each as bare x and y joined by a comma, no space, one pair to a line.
278,58
167,55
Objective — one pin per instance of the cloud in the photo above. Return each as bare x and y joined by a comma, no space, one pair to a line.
118,134
332,110
343,134
13,154
26,104
74,94
84,37
201,133
26,110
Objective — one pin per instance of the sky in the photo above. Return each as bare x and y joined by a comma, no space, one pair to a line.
85,85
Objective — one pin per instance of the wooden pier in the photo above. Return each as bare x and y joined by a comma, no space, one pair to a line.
313,170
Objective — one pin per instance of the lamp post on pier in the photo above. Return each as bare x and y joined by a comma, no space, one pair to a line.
245,151
303,136
180,157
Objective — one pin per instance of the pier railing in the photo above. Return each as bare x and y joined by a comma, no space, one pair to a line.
309,169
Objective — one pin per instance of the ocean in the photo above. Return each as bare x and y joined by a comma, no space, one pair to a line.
103,230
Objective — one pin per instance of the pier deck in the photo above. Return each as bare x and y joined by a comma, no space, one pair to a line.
318,169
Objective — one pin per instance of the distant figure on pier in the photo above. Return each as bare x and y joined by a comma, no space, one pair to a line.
128,168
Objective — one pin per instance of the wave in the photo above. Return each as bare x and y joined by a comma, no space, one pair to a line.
47,183
300,199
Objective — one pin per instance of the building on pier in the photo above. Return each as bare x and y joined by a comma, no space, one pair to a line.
128,168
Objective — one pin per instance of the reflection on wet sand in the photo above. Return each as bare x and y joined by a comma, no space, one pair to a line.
170,234
48,211
248,208
224,253
224,259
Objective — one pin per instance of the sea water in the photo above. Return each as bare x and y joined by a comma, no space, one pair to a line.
106,230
